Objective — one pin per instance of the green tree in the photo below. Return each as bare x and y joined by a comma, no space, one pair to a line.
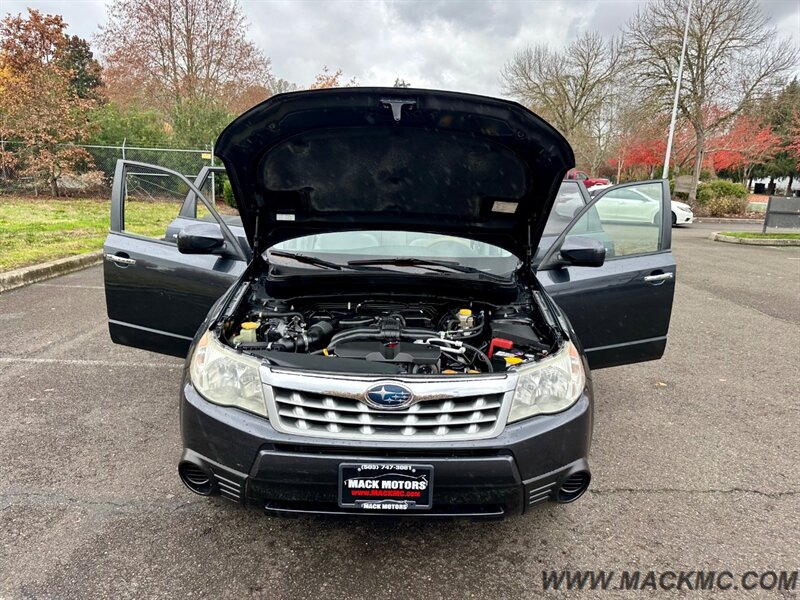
76,57
114,125
198,124
782,111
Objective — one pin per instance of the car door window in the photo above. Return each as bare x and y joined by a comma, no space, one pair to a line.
569,202
152,200
158,204
627,220
211,182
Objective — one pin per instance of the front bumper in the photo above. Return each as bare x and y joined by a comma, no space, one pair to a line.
683,217
248,461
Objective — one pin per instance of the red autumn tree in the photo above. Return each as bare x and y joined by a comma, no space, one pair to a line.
639,146
747,143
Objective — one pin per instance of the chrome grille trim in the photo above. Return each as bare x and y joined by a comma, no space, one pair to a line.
331,405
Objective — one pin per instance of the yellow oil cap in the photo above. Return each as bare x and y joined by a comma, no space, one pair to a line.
448,372
465,312
513,360
249,325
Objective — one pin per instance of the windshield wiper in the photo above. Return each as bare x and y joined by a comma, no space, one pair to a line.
410,261
306,259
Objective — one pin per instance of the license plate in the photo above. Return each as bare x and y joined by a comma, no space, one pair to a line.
385,486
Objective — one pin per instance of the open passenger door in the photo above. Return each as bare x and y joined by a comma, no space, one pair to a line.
163,270
620,310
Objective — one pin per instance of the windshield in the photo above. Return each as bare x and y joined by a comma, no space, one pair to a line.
382,246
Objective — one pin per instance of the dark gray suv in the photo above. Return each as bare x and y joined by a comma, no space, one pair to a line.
380,331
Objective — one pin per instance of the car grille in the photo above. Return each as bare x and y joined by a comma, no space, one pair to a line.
323,415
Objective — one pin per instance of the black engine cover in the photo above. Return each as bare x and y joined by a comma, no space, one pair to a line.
395,352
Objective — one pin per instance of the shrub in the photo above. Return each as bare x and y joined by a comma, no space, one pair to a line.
720,189
89,183
227,193
727,205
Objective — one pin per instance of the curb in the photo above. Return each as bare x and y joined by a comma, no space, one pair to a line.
728,220
62,266
718,237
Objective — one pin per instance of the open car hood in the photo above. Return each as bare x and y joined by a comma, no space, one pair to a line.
394,159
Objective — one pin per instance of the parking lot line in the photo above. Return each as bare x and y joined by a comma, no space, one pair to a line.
63,285
87,362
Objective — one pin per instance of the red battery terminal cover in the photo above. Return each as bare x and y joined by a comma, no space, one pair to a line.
499,343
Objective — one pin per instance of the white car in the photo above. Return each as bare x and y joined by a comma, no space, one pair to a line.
597,188
681,214
629,206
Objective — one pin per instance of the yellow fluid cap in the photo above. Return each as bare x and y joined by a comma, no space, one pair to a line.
448,372
473,372
513,360
465,312
249,325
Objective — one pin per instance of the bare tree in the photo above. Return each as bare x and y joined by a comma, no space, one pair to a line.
570,87
732,57
173,53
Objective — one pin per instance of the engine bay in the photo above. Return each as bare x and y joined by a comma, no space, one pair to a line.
392,335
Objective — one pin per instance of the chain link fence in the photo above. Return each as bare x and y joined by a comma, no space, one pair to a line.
94,175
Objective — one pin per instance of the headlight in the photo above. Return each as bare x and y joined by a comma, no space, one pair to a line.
683,206
549,386
226,377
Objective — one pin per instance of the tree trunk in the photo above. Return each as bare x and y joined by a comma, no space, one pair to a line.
54,187
789,185
712,171
698,165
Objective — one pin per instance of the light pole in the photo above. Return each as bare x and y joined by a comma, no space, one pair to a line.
665,173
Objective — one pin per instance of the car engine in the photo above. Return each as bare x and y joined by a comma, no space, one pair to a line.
391,335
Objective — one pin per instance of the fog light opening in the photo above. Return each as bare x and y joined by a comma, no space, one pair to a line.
196,478
573,487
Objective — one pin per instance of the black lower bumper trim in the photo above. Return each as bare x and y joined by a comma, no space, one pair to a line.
465,511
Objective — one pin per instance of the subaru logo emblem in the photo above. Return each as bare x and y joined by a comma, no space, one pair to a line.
388,396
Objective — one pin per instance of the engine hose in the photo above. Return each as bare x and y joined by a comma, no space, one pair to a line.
266,314
356,322
314,336
371,334
481,355
399,317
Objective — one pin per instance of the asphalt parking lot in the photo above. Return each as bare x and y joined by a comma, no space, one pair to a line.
695,463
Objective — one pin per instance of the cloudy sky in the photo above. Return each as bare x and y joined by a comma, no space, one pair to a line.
443,44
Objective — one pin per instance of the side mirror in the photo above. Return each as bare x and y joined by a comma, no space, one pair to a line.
201,238
581,251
